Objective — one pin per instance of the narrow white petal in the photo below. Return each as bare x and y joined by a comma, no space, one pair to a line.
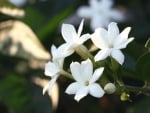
53,50
75,68
85,12
122,37
102,54
51,69
124,44
96,91
80,28
82,92
73,88
113,31
124,34
68,31
118,56
100,38
50,85
86,70
97,73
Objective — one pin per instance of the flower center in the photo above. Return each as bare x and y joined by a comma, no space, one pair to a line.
111,46
86,83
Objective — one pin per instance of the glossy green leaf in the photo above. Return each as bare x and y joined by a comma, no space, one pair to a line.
143,67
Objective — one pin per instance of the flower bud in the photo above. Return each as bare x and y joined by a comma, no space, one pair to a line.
110,88
124,96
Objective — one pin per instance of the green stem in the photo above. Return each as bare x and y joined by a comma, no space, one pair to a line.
66,74
143,90
84,52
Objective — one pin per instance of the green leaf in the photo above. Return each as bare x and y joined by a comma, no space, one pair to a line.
14,94
51,25
147,45
143,67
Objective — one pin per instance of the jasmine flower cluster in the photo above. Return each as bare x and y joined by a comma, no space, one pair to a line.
85,75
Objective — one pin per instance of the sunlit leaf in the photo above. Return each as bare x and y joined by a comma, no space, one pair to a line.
17,39
13,12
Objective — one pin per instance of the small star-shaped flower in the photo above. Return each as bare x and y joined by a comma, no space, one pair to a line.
100,12
110,42
85,80
53,68
73,39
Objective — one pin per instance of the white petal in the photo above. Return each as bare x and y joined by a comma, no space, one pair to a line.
51,69
53,50
106,4
100,38
122,37
75,68
63,51
84,38
50,85
97,73
73,88
113,31
95,4
85,12
98,21
68,31
118,56
80,28
57,53
96,91
124,33
124,44
86,70
82,92
102,54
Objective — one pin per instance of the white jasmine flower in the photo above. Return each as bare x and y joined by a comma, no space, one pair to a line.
100,12
53,68
18,2
110,42
85,80
110,88
73,39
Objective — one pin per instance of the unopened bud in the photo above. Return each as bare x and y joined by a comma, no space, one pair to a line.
124,96
110,88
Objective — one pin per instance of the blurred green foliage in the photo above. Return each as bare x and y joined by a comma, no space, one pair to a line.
18,92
